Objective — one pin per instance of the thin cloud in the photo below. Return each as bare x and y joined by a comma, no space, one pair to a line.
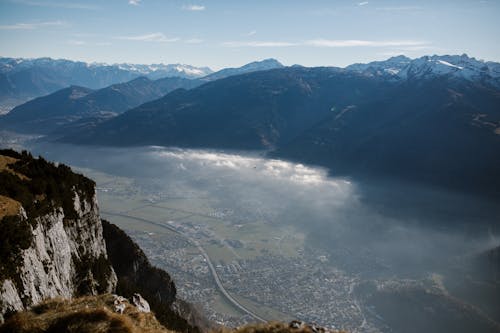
134,2
258,44
157,37
251,33
399,8
76,42
32,26
194,8
193,41
362,43
364,3
68,5
329,43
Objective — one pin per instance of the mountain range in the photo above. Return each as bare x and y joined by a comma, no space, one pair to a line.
77,107
463,66
433,119
24,79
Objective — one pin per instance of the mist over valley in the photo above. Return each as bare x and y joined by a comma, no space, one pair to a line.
255,211
249,167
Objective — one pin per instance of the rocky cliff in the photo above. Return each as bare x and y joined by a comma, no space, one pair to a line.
54,244
50,234
59,263
137,275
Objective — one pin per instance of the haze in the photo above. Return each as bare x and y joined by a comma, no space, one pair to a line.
406,229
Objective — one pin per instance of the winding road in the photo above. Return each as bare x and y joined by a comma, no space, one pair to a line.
215,275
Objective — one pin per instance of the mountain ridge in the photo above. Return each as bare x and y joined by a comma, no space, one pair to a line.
458,66
23,79
67,106
277,109
265,64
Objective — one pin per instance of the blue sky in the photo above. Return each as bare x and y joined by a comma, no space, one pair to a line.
231,33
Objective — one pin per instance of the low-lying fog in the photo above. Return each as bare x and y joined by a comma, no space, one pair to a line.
386,229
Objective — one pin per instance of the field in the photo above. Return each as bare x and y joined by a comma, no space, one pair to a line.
200,220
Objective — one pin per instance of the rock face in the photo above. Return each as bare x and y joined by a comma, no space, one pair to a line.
63,255
54,244
137,275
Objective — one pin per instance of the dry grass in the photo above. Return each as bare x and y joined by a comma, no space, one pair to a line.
5,161
92,314
272,327
8,206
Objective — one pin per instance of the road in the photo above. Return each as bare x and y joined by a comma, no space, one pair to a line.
218,282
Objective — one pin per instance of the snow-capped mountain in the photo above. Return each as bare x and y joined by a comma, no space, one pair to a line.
156,71
460,66
391,66
23,79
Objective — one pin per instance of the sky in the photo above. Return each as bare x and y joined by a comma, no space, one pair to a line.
230,33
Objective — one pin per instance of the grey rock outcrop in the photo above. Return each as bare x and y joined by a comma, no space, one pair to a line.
67,258
141,304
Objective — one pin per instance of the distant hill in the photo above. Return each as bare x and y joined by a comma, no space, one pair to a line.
23,79
79,107
432,126
435,130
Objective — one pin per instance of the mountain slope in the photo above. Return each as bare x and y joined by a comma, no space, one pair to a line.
439,128
450,137
24,79
81,105
252,111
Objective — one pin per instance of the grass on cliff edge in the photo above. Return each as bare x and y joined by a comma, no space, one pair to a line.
94,314
8,206
5,161
91,314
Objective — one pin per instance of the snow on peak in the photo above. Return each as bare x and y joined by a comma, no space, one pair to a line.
448,64
391,66
458,66
156,71
190,70
453,65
